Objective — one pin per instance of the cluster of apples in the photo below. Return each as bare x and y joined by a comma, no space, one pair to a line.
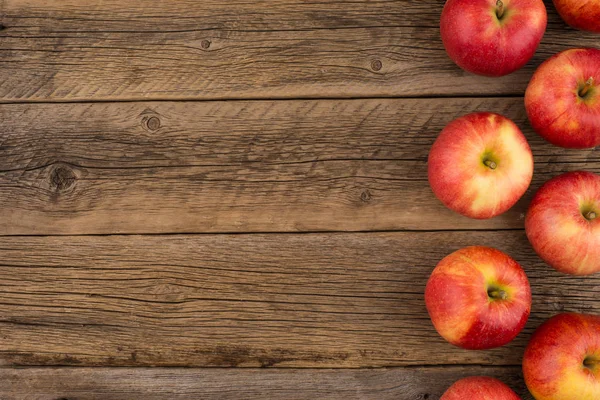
481,164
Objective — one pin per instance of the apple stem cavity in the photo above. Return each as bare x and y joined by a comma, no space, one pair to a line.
500,9
585,89
497,294
490,164
591,215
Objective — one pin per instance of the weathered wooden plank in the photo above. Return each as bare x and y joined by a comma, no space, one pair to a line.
241,384
295,300
258,166
115,50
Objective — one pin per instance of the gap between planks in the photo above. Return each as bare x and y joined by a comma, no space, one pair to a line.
269,233
459,96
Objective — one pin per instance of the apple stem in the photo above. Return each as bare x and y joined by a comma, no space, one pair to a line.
590,215
499,9
590,362
586,87
498,294
490,164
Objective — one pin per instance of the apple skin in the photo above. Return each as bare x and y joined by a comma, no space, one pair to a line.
554,107
478,42
580,14
557,227
479,388
459,176
478,298
553,364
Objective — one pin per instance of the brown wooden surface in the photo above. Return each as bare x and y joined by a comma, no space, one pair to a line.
258,166
123,50
246,384
295,300
287,153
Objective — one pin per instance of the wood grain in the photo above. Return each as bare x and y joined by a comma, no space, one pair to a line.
257,166
241,384
294,300
323,300
134,50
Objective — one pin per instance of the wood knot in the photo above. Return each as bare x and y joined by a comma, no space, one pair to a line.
151,123
62,178
205,44
376,65
366,196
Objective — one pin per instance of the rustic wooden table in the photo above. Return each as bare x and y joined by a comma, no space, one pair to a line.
243,183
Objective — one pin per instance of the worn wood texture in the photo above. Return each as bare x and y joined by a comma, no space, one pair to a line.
246,384
123,50
294,300
258,166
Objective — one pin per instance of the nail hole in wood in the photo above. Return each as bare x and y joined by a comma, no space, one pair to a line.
205,44
376,65
153,123
2,27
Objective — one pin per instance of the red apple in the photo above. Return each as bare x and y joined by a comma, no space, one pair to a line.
563,99
562,360
562,223
492,37
479,388
480,165
580,14
478,298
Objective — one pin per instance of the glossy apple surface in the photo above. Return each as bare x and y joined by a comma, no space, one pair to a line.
562,360
480,165
580,14
490,37
478,298
563,223
563,99
479,388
